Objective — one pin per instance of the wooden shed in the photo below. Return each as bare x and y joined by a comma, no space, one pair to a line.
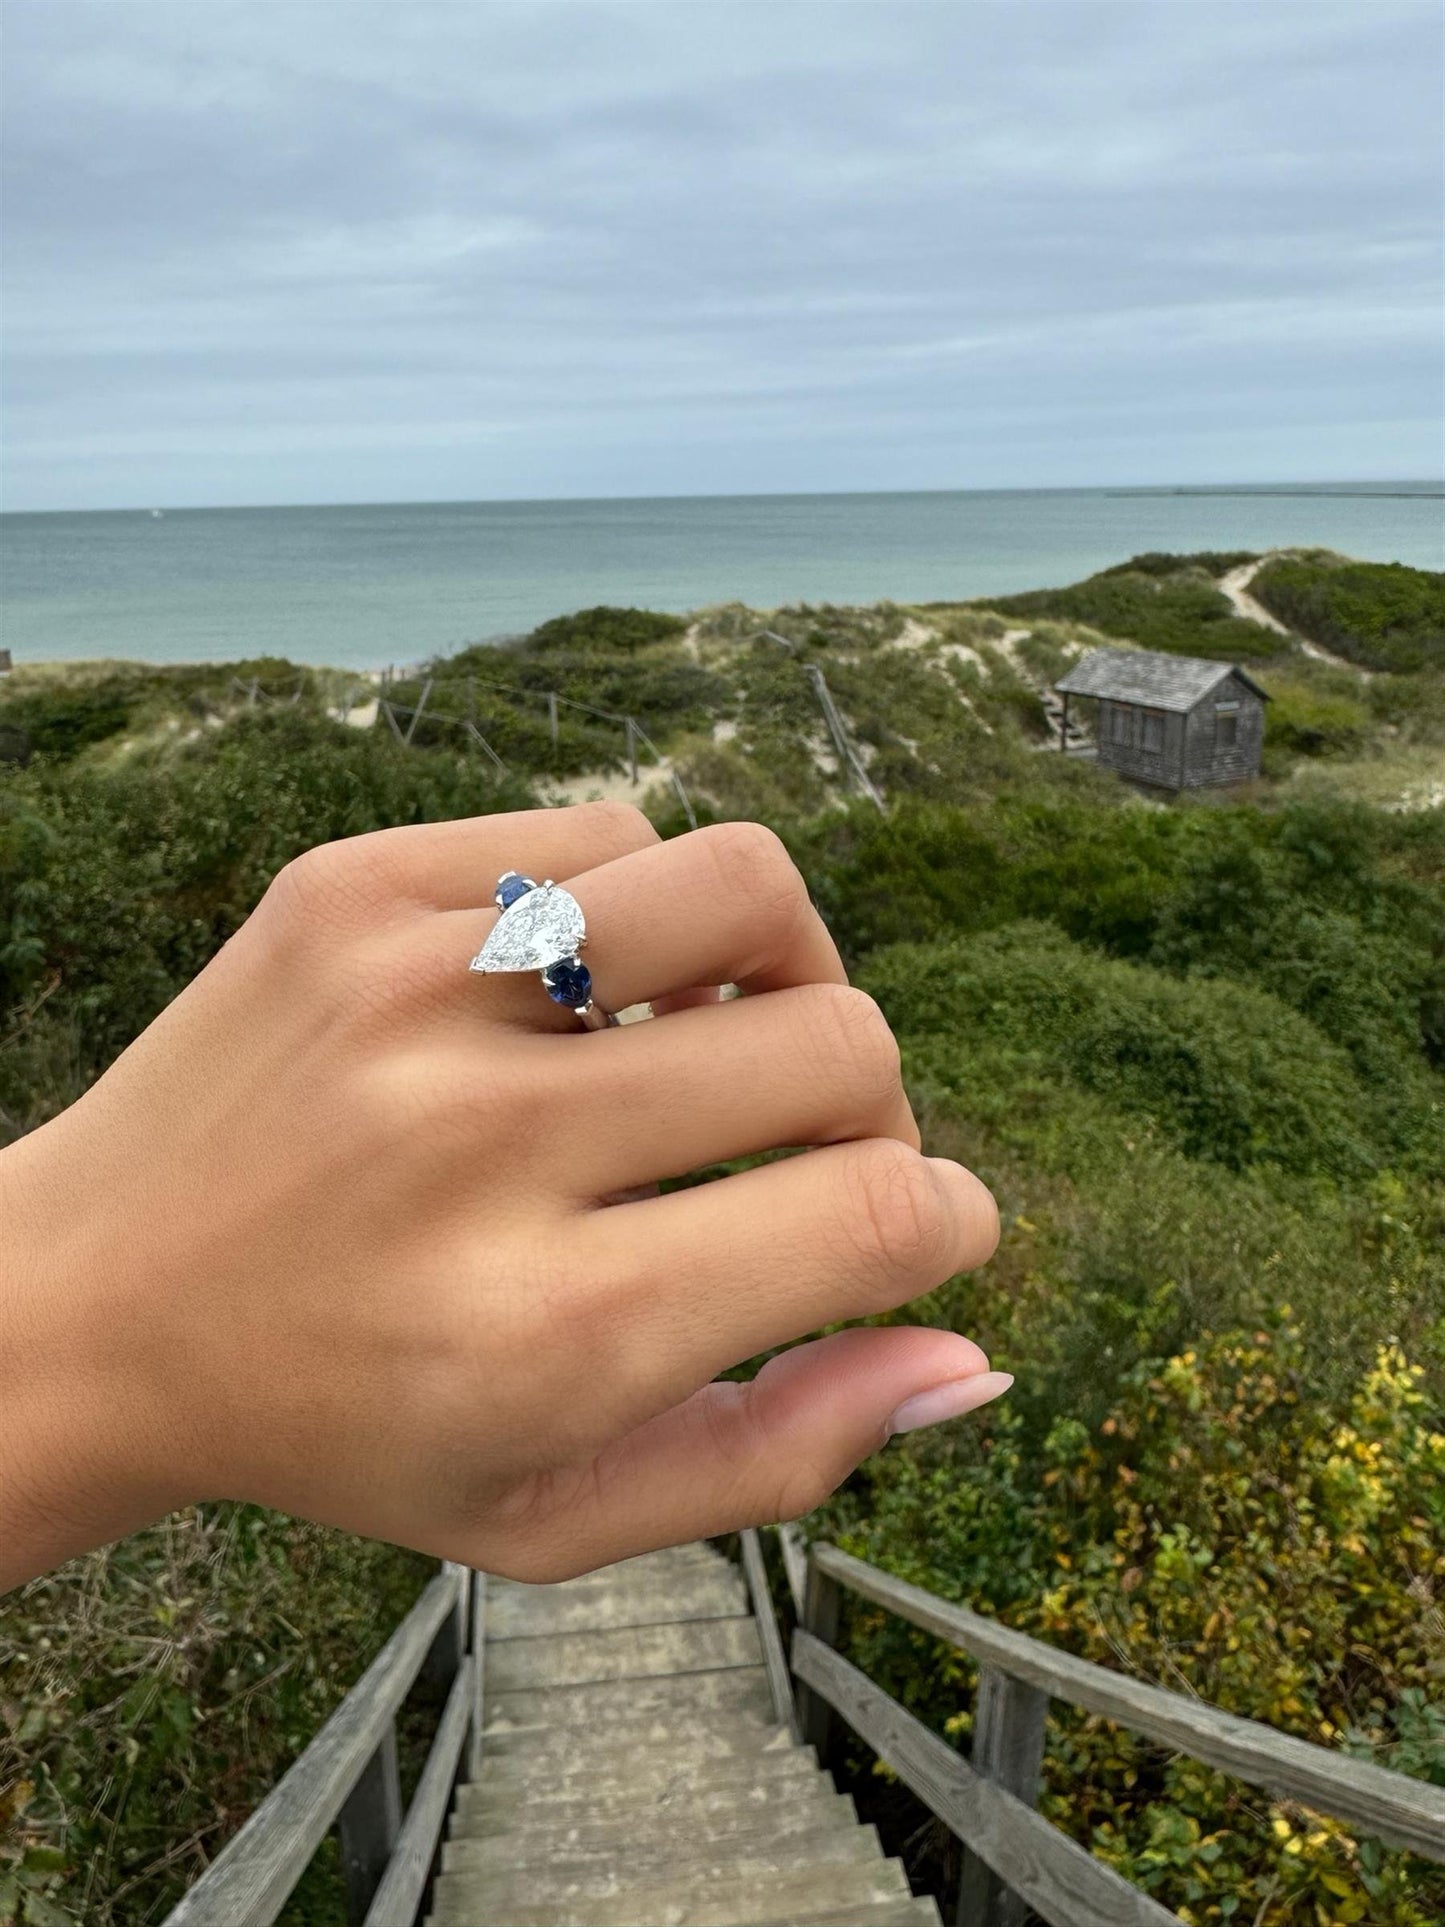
1174,722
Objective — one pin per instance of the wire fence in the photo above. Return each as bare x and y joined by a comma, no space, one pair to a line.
403,719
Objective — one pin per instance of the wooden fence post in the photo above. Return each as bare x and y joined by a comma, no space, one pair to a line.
416,713
369,1824
444,1660
552,715
822,1601
478,1650
1008,1749
632,746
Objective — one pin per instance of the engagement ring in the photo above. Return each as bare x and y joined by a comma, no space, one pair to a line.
542,928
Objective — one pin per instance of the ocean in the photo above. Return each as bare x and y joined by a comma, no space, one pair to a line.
358,587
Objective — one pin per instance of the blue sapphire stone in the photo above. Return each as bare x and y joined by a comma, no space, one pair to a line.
569,983
512,887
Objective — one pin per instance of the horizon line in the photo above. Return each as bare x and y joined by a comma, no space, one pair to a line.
1426,488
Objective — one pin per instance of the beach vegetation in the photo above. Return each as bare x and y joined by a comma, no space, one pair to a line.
1381,615
1198,1052
1182,611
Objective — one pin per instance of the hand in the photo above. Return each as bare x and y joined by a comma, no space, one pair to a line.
355,1233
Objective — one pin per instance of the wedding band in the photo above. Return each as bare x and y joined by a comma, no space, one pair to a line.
542,928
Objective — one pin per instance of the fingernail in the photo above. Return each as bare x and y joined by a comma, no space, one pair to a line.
952,1400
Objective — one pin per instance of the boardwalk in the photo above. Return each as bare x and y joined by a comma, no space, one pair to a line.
633,1773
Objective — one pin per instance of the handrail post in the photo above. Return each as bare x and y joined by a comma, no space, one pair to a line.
822,1602
1008,1749
780,1685
369,1823
478,1650
445,1657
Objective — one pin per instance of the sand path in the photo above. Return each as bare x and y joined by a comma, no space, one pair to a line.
1235,586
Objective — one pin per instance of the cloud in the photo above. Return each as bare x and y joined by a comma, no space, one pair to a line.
264,251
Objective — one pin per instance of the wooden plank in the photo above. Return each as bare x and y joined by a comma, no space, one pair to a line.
399,1898
774,1663
1058,1879
822,1602
478,1646
704,1594
369,1826
1007,1750
795,1563
250,1879
1386,1806
697,1697
440,1667
571,1659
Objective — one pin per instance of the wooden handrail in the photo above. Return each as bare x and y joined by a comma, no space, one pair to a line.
1387,1806
399,1897
795,1562
775,1664
252,1877
1059,1879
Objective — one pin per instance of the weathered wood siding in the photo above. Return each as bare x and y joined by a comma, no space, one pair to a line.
1190,754
1163,767
1206,760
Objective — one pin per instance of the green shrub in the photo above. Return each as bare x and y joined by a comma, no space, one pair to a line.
605,629
1212,562
1312,717
116,886
1180,611
1148,1541
1381,615
1225,1070
153,1693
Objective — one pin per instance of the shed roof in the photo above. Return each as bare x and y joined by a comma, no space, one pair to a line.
1148,677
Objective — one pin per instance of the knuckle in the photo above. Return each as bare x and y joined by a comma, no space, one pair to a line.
853,1029
740,1444
752,862
323,884
803,1487
619,823
899,1221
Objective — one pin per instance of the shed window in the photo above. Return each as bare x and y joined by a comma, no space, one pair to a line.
1226,725
1152,733
1121,724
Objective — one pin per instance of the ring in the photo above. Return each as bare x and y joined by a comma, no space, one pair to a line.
542,928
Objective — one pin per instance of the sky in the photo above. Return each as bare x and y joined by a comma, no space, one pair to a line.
257,251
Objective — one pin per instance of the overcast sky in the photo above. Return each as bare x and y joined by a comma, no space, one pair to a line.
267,252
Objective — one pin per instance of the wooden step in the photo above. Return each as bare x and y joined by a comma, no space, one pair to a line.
917,1912
701,1595
649,1568
786,1806
650,1783
610,1749
634,1773
679,1806
728,1895
629,1652
698,1697
747,1835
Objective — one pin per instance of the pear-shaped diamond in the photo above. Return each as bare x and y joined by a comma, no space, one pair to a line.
543,927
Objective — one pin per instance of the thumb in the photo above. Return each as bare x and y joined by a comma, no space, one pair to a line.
746,1455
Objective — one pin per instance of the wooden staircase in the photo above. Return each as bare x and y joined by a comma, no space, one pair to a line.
634,1772
623,1751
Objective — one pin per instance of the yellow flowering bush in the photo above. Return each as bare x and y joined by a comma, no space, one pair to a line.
1220,1533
